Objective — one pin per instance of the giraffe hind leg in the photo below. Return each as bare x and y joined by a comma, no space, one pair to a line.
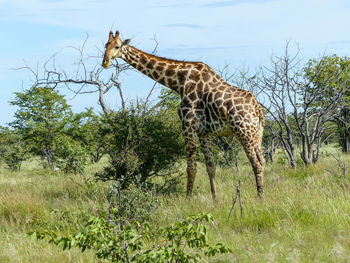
253,150
260,157
259,175
256,159
258,147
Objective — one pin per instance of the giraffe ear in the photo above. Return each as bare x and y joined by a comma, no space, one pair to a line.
126,41
110,37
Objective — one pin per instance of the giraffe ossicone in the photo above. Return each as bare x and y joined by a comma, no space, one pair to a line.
209,105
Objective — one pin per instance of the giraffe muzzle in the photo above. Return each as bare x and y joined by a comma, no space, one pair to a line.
106,63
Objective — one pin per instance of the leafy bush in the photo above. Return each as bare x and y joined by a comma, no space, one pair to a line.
41,116
183,241
84,128
47,124
140,145
70,155
13,150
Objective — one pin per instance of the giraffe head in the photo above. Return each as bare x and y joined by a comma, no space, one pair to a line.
113,48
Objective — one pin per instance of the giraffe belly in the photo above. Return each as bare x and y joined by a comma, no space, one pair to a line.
207,123
215,128
223,130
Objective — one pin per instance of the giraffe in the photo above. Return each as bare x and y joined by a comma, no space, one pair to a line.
209,105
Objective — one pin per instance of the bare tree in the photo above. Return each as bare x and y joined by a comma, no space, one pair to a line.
270,141
342,169
87,76
311,118
289,96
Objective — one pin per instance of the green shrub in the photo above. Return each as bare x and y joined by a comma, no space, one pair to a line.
13,150
183,241
40,118
70,155
140,145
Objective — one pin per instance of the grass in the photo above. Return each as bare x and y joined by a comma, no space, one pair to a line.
27,199
304,217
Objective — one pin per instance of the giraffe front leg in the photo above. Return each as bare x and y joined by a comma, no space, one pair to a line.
190,141
209,161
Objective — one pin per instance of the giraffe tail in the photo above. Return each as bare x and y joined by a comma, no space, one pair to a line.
262,122
261,115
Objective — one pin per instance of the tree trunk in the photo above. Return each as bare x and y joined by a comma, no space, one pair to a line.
344,130
346,141
288,150
316,153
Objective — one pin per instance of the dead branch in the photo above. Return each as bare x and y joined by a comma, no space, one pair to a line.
290,102
238,196
87,75
342,168
225,146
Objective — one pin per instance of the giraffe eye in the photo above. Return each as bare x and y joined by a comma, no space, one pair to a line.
117,47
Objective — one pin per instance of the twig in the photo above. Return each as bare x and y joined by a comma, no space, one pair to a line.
342,167
235,170
238,196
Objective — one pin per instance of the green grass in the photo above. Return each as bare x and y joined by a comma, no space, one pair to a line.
304,216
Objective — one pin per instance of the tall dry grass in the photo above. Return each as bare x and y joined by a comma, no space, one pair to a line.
304,216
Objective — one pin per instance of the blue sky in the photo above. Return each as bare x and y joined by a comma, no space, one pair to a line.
218,32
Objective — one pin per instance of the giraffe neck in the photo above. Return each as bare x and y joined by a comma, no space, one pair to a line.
170,73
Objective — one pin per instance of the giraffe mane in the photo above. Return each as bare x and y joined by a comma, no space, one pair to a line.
164,58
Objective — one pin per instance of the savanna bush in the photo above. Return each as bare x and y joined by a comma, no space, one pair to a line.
70,155
13,149
184,241
140,143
